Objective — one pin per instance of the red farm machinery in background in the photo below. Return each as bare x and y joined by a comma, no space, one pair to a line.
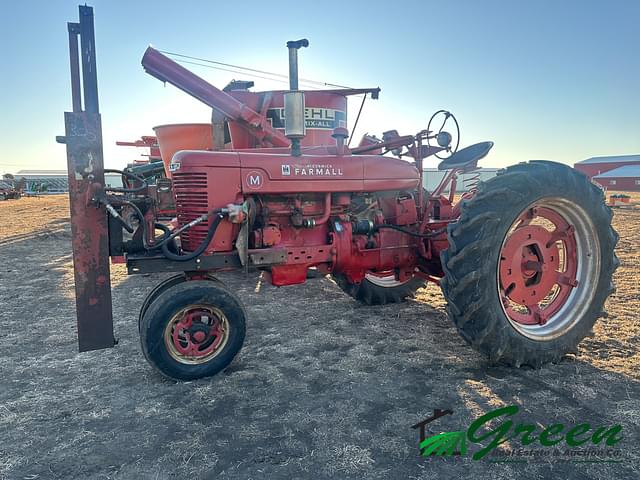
525,260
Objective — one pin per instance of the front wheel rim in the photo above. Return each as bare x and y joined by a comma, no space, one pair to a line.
196,334
548,268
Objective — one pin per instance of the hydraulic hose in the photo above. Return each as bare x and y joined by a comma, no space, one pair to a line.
435,233
166,238
166,241
167,235
142,223
201,248
143,182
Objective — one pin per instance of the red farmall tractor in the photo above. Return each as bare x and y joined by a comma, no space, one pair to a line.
525,259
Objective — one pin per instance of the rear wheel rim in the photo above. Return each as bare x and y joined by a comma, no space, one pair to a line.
548,268
196,334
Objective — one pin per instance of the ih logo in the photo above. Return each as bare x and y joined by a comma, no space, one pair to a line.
286,170
254,180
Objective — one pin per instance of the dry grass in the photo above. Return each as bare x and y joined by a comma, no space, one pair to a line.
615,344
33,216
324,388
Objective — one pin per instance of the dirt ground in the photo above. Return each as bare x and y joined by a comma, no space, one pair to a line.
323,388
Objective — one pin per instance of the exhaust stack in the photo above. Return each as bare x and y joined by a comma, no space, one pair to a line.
294,117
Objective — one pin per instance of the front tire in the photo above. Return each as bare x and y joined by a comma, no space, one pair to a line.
529,264
160,288
193,330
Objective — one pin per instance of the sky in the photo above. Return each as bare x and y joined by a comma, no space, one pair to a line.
543,79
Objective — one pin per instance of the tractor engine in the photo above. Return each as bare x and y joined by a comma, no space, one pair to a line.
337,213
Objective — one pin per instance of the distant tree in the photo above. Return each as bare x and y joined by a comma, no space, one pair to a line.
8,176
21,184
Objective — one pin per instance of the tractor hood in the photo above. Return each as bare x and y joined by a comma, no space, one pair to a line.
278,173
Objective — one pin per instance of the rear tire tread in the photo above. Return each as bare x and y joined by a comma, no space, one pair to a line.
470,274
370,294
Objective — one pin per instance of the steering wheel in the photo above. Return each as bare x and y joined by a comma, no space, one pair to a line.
443,137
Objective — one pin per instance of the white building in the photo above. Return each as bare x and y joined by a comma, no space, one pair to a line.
55,181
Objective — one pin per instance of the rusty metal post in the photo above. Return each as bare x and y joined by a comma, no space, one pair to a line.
83,138
74,63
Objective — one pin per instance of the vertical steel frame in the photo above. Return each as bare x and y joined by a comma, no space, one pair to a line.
89,226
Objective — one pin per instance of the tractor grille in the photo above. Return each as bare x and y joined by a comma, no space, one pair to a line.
191,202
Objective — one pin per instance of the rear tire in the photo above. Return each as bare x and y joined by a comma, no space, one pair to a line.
482,264
371,293
193,330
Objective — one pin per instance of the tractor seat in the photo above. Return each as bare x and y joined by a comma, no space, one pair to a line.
467,157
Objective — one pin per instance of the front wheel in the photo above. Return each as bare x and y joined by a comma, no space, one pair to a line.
160,288
530,263
192,329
